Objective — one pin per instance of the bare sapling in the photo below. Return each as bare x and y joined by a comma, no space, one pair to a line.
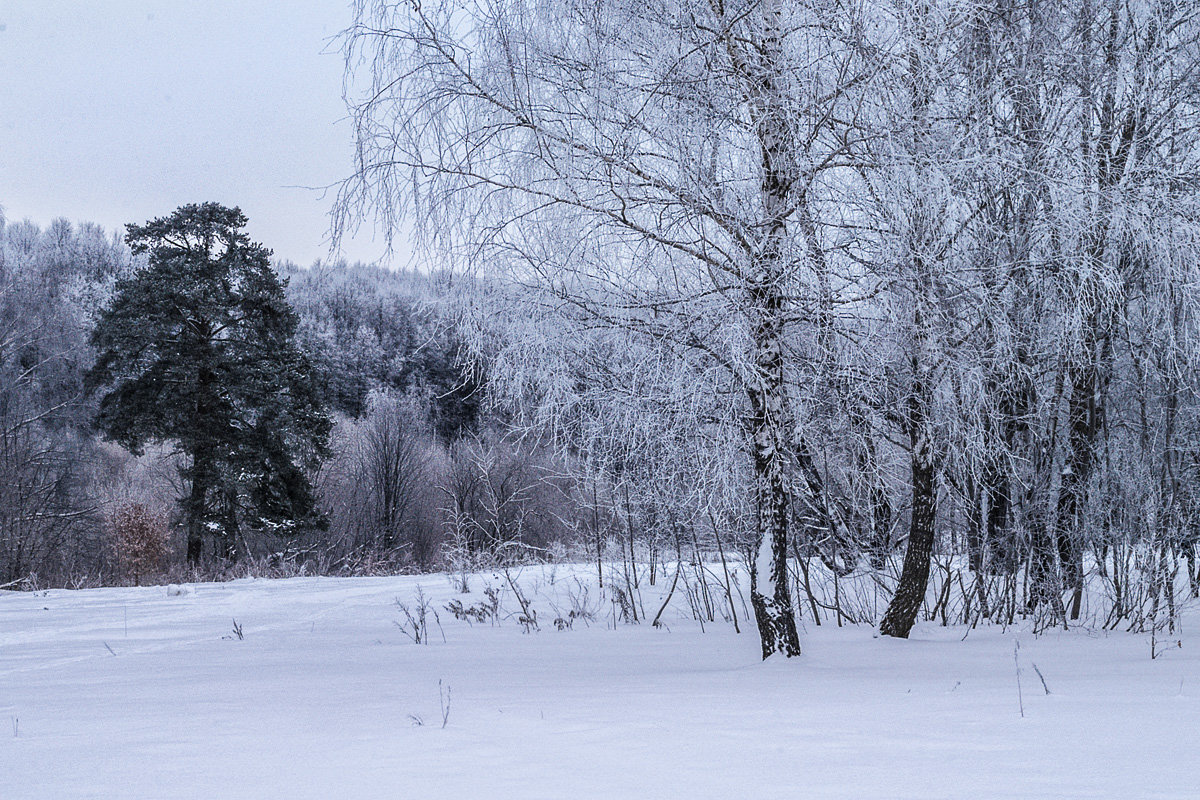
528,615
416,619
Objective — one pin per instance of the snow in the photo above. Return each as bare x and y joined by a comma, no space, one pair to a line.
145,692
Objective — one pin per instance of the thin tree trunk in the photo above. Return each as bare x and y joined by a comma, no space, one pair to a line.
1085,421
902,612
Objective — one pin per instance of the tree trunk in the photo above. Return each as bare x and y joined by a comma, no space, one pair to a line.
231,531
1045,587
769,430
997,538
770,594
1085,416
914,576
918,411
974,524
202,471
769,424
1189,552
197,497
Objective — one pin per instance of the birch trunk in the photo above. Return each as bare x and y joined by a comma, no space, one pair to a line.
770,417
770,593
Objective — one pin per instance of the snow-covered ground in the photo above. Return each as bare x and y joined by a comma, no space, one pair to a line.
138,693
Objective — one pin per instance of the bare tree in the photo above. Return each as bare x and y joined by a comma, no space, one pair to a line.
379,490
500,501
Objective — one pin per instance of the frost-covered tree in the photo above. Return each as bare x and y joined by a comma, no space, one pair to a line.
662,170
47,278
370,329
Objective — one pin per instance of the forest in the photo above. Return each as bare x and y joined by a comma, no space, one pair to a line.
405,411
892,304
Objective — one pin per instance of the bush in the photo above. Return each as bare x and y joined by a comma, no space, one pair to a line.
138,537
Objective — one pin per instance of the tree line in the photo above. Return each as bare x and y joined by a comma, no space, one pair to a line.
173,402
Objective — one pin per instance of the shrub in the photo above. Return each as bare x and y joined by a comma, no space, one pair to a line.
138,537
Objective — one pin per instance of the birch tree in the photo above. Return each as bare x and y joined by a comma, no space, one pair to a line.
646,166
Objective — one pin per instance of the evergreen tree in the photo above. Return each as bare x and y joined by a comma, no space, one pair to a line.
198,348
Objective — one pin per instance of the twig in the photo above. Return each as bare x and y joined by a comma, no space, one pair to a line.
528,615
658,617
1040,677
1017,665
444,699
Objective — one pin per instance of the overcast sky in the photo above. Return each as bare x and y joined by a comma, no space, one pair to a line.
118,111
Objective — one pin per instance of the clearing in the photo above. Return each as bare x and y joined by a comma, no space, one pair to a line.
141,692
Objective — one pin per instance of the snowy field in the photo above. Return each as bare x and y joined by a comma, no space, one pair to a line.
137,693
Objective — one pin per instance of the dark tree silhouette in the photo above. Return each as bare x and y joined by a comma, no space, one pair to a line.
198,348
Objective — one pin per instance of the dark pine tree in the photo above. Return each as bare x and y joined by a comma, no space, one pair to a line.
197,348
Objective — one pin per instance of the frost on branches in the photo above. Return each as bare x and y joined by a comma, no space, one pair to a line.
823,274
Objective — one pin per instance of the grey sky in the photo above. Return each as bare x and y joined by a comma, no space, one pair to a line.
117,111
